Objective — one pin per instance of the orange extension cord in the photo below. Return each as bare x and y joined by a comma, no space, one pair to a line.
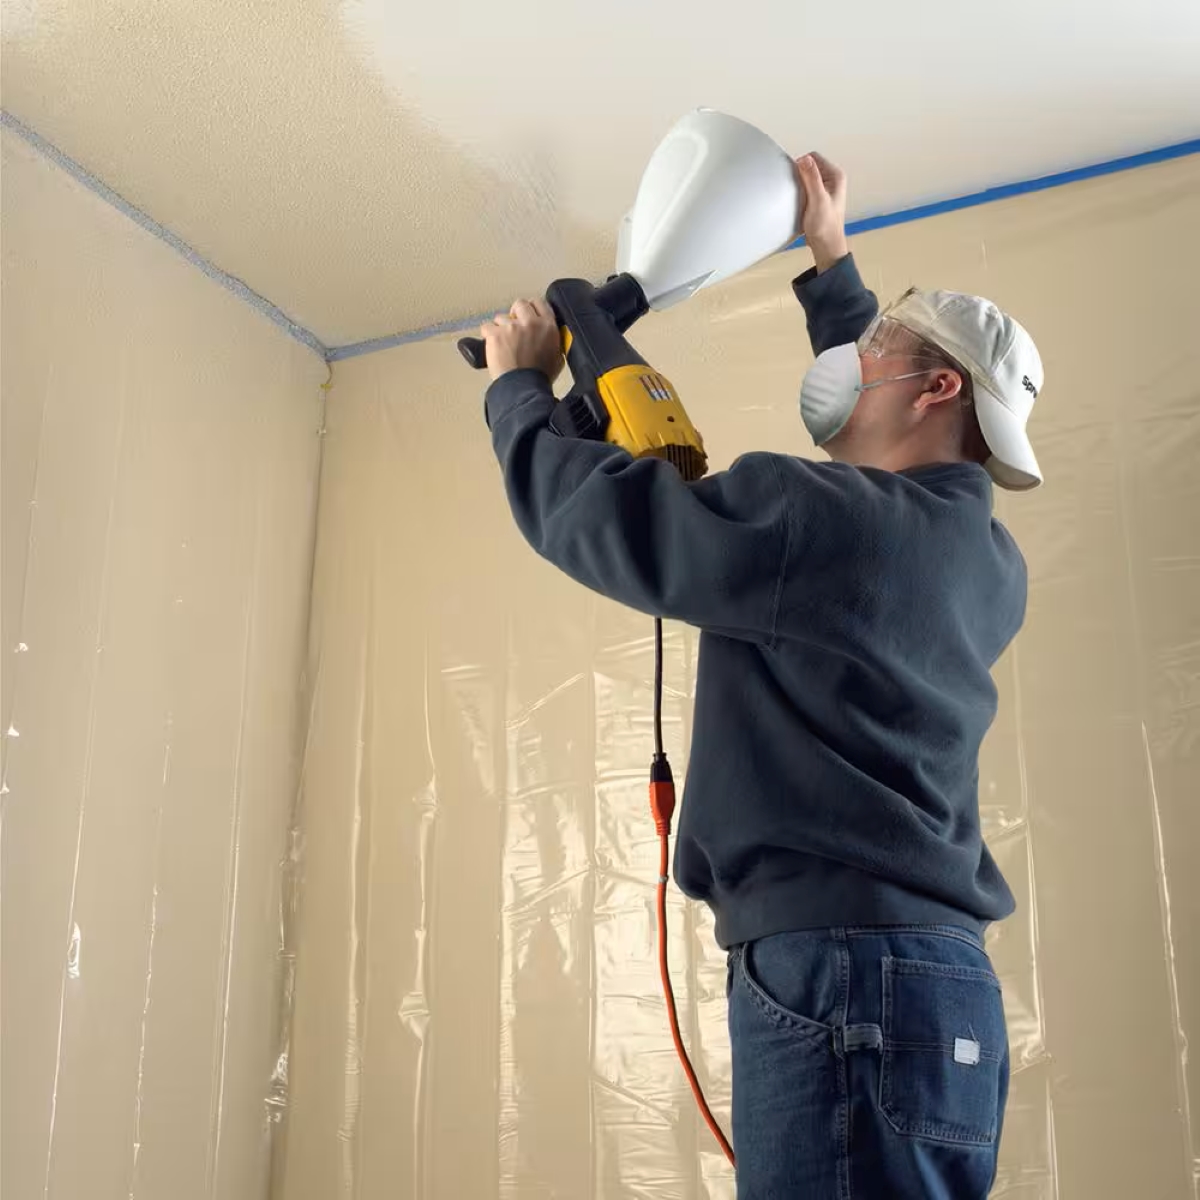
662,808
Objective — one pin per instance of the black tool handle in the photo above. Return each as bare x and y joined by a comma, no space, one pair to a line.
474,350
596,318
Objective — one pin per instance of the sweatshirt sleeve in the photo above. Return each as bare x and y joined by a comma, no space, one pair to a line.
838,305
710,553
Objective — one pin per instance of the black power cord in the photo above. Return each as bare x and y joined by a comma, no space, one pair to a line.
658,687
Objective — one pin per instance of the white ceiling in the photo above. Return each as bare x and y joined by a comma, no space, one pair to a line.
372,166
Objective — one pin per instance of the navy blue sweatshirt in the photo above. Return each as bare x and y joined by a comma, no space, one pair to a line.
849,619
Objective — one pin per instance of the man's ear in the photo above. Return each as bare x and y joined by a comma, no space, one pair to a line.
942,384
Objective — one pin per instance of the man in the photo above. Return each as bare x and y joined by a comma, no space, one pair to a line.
850,614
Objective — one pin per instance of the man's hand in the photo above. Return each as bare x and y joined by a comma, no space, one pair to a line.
824,222
526,336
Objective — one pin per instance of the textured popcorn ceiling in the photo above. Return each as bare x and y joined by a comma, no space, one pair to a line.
373,166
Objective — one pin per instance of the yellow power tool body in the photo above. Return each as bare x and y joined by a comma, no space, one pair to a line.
616,396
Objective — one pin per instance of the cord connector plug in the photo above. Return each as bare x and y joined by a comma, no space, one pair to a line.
662,794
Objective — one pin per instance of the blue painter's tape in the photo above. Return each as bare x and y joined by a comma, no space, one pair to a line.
354,349
150,225
1006,191
387,342
987,196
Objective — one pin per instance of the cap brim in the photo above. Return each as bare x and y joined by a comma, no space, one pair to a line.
1013,464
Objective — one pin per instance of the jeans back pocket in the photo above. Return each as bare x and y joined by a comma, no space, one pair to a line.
944,1051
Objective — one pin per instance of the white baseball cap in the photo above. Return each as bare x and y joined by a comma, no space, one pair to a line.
1005,368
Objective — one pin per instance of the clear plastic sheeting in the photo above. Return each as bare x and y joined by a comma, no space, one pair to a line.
160,457
477,1010
433,977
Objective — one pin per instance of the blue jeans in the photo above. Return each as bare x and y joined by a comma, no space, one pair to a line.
868,1064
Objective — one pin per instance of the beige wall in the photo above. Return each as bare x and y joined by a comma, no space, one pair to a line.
160,449
477,1013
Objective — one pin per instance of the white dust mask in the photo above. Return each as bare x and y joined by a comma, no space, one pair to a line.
829,392
831,388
